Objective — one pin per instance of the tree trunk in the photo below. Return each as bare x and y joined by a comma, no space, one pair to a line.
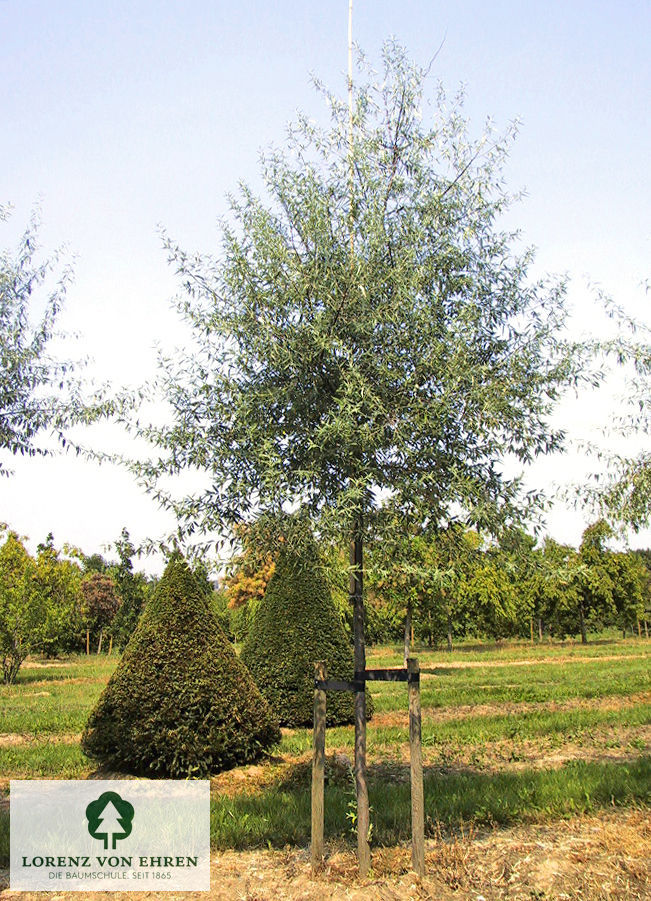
87,642
584,634
407,633
110,650
531,628
99,644
540,628
318,768
646,628
356,593
449,618
10,667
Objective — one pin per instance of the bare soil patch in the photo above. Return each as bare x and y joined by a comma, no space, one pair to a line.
604,745
596,858
464,711
64,680
8,739
44,664
532,661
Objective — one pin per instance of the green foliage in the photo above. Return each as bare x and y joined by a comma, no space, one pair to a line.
59,583
491,595
296,625
630,592
241,619
597,586
220,606
132,589
100,603
180,703
455,581
383,624
366,328
42,601
36,390
21,608
422,573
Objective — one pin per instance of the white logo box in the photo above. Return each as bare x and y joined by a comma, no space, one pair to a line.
110,835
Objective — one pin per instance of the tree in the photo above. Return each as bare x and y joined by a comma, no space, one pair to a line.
58,580
630,588
247,577
295,625
490,596
249,571
367,329
644,557
131,588
423,572
585,588
100,604
452,554
21,607
596,588
556,589
180,703
518,556
414,365
37,391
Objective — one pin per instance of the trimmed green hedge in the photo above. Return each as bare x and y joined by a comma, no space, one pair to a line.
180,703
296,625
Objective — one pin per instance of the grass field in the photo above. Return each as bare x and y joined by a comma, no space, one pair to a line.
511,735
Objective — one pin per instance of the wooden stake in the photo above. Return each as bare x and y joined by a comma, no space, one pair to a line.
416,758
318,769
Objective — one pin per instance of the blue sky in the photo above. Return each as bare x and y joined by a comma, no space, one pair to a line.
123,115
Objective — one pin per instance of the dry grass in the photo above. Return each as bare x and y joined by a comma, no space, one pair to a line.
465,711
534,661
596,858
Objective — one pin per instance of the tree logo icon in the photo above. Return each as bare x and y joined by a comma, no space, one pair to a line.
109,819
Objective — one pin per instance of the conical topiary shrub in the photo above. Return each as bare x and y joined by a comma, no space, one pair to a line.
180,703
295,626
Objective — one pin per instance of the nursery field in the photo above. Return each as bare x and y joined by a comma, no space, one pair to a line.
524,747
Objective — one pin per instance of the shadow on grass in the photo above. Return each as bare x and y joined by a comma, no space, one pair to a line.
278,814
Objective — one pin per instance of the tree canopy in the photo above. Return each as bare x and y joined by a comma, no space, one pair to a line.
367,329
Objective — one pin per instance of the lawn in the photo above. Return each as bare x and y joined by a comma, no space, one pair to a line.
512,734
